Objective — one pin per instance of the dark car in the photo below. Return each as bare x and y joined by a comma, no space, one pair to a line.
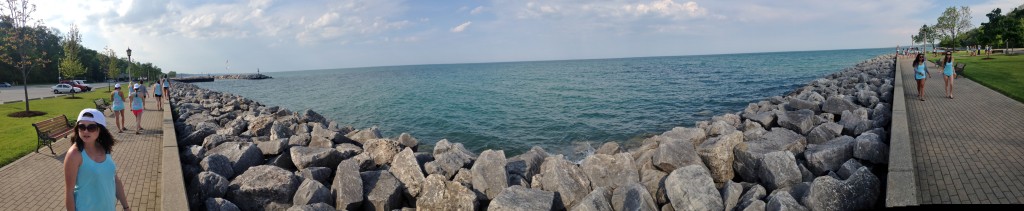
5,84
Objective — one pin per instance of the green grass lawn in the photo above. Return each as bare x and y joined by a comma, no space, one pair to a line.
1002,73
19,136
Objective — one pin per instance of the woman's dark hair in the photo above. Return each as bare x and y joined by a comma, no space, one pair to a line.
106,140
918,59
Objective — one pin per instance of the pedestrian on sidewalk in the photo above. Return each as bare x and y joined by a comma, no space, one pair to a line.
167,88
145,93
137,107
920,71
90,174
117,99
158,95
949,75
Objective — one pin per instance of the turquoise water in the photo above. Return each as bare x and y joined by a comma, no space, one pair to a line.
516,105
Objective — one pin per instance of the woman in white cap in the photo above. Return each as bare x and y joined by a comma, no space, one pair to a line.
137,106
117,99
90,174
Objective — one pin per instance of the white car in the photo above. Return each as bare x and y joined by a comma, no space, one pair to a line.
65,88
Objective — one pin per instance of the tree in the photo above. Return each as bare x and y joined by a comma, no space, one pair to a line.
954,22
927,35
172,74
109,62
71,66
21,42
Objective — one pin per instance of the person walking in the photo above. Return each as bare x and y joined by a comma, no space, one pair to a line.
137,107
145,93
948,74
167,88
90,174
117,99
158,95
920,71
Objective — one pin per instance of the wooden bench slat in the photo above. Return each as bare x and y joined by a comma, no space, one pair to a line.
51,130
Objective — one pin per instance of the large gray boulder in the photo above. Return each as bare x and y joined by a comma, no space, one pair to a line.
312,207
521,198
824,132
207,185
691,188
855,122
610,171
382,190
608,148
696,136
299,140
837,104
632,196
597,200
322,137
440,194
779,170
261,185
192,154
284,160
212,141
654,182
753,194
280,130
675,153
347,187
869,146
859,192
527,164
717,155
781,200
305,157
406,140
565,178
311,116
449,158
272,147
407,170
219,165
260,126
848,169
799,104
234,127
196,137
489,175
319,174
220,204
748,154
361,136
311,192
822,158
241,155
800,121
382,151
731,194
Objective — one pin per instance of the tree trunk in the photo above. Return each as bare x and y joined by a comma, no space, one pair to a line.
24,85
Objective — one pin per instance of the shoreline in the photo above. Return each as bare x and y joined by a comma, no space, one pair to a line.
819,124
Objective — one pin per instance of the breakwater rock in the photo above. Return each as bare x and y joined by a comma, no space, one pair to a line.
244,76
819,147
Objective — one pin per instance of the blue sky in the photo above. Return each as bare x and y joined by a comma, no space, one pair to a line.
195,36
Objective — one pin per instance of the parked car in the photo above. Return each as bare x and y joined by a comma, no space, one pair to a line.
65,88
5,84
76,83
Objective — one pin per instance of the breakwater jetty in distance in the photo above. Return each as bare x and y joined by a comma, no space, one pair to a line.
195,79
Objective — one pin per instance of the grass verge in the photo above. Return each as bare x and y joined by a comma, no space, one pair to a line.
1002,73
18,134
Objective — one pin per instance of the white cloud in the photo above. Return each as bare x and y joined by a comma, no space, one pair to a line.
477,10
461,27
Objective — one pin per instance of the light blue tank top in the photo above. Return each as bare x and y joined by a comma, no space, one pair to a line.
165,84
920,72
118,103
949,69
95,188
157,91
136,101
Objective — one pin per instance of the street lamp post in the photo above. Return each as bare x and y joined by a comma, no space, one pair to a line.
129,69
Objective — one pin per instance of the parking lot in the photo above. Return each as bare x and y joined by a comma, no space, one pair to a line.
16,93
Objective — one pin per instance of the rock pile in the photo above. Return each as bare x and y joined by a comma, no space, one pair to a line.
813,149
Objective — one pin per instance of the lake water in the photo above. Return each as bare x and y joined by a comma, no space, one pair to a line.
553,104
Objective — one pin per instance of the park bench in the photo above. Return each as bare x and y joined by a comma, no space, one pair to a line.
959,69
51,130
101,104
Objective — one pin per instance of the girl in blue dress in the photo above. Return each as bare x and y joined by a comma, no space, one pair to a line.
90,174
948,74
117,99
920,71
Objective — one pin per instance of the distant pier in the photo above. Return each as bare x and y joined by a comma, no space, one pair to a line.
212,78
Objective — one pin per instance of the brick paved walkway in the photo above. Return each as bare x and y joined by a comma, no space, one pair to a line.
967,150
36,181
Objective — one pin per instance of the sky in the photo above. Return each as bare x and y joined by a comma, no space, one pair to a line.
241,36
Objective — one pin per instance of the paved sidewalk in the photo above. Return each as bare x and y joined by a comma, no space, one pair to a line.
36,181
967,150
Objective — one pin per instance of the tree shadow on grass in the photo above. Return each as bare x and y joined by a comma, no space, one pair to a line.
23,114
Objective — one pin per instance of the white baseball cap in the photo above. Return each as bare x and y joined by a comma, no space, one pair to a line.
117,85
136,86
97,116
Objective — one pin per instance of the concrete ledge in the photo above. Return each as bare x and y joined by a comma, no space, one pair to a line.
172,184
901,185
